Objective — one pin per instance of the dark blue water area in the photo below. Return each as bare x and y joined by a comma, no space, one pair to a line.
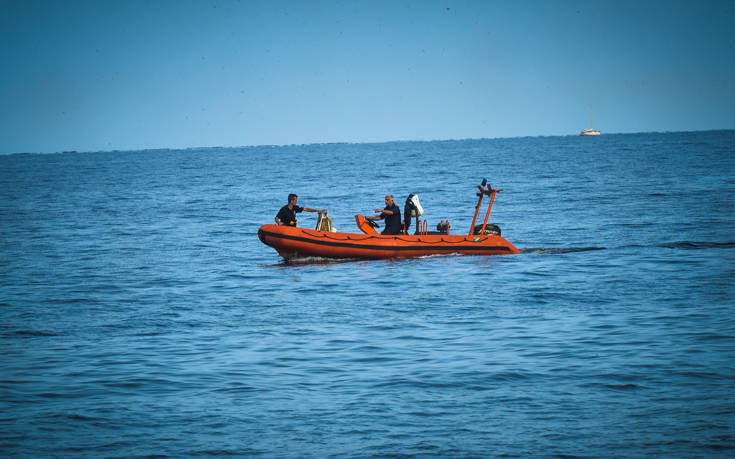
141,316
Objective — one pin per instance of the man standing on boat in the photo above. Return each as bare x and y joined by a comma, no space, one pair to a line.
287,214
392,216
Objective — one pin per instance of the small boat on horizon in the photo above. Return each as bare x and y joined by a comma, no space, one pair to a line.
589,132
293,243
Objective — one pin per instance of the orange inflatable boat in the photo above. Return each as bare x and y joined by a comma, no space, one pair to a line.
293,242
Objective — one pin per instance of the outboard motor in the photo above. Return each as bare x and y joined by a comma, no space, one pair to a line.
489,229
412,209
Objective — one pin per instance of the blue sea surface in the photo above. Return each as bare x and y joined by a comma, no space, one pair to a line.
141,316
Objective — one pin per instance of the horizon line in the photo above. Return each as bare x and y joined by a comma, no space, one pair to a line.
222,147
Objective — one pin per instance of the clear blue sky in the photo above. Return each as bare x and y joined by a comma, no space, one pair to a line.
104,75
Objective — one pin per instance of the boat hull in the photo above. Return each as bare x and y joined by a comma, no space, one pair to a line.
293,242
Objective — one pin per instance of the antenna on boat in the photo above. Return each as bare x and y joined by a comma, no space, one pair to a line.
483,191
477,208
492,198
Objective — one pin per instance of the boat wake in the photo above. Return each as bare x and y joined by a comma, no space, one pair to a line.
560,250
685,245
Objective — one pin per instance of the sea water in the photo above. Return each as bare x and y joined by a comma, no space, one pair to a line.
140,315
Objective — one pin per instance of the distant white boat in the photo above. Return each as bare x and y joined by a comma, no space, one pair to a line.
589,132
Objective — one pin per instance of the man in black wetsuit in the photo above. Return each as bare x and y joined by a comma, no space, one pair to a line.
287,214
392,216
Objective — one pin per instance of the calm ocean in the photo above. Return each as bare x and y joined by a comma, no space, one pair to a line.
141,316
